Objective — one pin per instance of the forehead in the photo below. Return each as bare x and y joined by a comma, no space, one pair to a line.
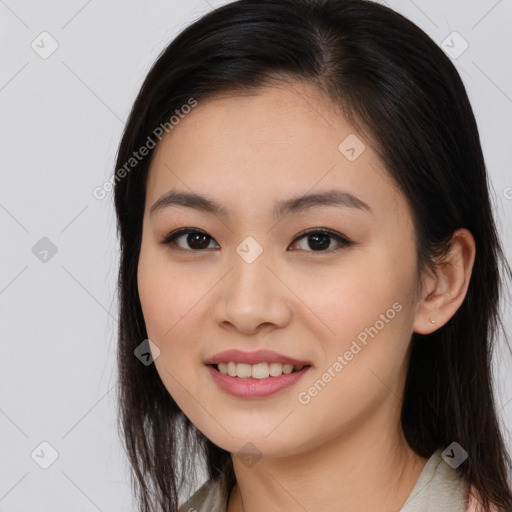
259,148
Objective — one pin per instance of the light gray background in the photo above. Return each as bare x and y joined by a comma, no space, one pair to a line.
61,121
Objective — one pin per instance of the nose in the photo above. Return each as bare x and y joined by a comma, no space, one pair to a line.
252,297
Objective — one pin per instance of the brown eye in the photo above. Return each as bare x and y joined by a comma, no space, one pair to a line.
192,240
319,240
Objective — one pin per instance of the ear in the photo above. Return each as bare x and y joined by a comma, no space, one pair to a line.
444,293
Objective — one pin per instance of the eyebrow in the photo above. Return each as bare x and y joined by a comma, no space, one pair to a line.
334,197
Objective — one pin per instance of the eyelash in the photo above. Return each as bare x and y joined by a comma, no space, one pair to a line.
343,241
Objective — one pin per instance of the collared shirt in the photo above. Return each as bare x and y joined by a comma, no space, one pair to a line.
439,488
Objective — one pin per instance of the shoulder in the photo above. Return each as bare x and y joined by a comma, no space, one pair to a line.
210,497
474,503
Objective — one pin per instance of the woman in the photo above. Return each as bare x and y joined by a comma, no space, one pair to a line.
310,272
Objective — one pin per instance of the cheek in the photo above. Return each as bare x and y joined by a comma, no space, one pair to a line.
167,306
166,295
365,360
348,302
369,313
155,299
372,318
173,307
376,293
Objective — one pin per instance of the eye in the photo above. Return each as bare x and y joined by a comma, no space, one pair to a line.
196,240
318,240
193,240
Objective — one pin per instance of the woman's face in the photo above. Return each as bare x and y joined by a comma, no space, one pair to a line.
253,280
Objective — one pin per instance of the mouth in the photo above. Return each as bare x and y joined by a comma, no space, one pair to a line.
257,371
260,380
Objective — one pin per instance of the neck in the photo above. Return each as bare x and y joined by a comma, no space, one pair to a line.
365,469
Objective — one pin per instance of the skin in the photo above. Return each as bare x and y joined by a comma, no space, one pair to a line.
345,449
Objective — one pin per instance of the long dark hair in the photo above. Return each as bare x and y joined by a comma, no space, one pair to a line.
399,90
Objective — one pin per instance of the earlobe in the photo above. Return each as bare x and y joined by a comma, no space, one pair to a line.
445,292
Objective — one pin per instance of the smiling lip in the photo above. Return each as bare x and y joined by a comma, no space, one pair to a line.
255,388
259,356
250,387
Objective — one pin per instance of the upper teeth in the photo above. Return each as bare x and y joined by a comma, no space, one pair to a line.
256,371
